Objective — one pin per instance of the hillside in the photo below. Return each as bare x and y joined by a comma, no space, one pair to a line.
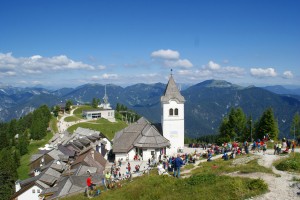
206,102
245,177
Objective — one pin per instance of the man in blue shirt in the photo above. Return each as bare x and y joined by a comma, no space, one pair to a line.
177,164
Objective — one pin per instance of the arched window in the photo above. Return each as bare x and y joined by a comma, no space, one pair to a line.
171,112
176,111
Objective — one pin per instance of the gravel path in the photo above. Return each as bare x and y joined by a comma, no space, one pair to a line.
280,186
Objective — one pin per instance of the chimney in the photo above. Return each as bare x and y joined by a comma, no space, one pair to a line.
36,172
93,154
17,185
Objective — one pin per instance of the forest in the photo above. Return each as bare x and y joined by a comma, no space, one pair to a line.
15,137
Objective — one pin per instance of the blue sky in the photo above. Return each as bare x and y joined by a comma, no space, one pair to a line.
60,43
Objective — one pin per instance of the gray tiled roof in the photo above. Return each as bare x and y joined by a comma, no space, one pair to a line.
84,141
82,170
50,190
72,184
48,179
139,134
34,157
172,92
151,138
49,176
43,185
66,151
78,144
54,154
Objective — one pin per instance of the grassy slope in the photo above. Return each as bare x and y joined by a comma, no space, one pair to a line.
104,126
78,111
226,166
53,125
72,118
205,183
23,170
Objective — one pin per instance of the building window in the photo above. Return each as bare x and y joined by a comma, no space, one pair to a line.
171,112
38,191
33,190
176,111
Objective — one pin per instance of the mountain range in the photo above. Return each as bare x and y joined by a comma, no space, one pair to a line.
206,102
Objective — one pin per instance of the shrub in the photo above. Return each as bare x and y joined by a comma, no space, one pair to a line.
289,164
202,179
257,184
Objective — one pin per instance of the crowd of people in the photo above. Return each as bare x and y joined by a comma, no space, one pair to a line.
171,165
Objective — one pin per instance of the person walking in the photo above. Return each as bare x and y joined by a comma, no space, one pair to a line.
177,164
90,184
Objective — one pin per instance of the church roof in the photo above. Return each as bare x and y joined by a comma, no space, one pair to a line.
140,134
151,138
172,92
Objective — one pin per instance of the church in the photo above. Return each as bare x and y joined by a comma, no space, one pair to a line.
143,140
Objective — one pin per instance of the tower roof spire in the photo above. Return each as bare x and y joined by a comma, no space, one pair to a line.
105,98
172,91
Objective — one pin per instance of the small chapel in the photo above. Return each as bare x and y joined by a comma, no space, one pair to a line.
143,140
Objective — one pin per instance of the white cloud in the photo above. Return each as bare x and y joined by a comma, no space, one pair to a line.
237,71
105,76
165,54
260,72
213,66
101,67
8,73
185,63
215,70
147,75
288,74
185,72
37,64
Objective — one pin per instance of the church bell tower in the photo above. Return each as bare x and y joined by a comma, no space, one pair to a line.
172,116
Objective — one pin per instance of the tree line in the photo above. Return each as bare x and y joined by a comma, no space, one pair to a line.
123,113
15,138
239,127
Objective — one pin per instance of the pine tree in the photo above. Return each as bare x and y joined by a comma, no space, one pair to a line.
12,131
233,127
55,111
8,173
23,142
95,102
267,125
3,136
118,107
68,105
40,122
295,126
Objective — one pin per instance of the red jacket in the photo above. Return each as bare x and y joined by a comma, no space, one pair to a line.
89,181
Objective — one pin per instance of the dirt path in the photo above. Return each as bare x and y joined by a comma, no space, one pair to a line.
280,185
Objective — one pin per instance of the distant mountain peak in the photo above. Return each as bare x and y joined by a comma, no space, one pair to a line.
217,84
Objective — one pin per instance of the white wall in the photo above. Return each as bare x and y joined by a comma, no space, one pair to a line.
121,156
131,154
173,126
29,195
147,154
124,156
108,114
